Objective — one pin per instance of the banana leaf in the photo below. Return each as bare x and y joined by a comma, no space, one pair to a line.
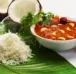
44,61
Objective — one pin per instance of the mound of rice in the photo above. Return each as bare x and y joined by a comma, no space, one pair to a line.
13,50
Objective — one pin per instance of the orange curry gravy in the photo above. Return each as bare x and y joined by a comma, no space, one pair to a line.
57,31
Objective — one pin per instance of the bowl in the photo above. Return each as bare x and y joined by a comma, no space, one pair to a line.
56,45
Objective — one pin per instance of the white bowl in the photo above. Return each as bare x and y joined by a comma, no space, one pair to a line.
55,45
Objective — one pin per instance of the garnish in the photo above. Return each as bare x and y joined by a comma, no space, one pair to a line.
2,29
45,18
30,19
63,20
42,17
26,22
10,25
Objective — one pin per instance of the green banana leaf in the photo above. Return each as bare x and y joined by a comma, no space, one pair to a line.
44,61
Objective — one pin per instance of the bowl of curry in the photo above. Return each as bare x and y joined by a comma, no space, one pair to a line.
60,34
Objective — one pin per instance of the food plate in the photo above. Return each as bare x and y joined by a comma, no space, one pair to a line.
44,61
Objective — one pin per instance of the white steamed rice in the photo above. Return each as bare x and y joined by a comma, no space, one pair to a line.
13,50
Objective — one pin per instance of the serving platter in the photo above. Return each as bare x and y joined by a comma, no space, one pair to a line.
44,61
